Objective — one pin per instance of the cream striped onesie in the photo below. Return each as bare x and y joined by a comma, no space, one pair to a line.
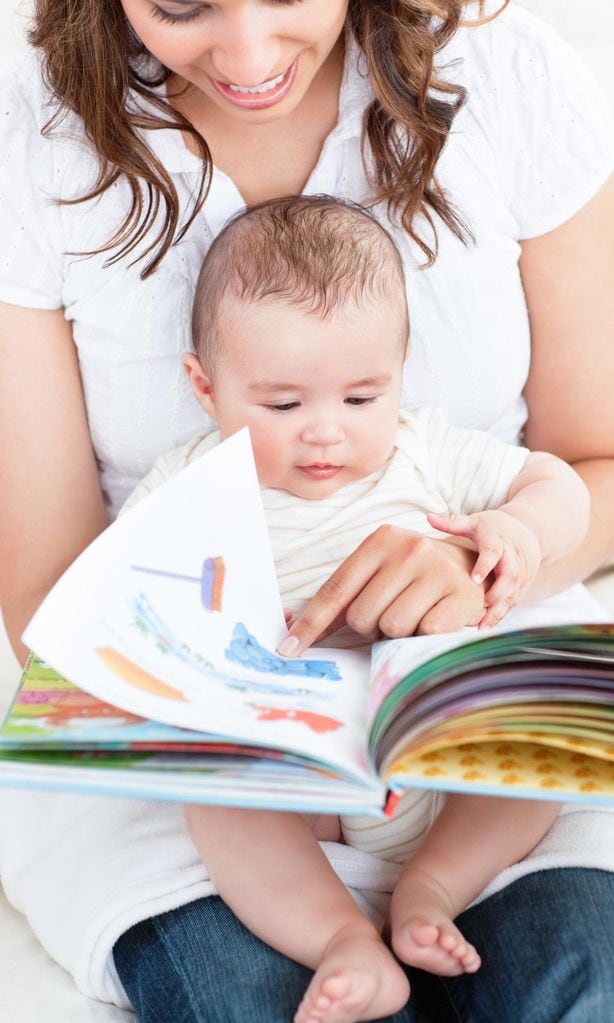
434,467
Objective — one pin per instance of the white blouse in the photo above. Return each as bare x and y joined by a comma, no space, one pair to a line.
531,146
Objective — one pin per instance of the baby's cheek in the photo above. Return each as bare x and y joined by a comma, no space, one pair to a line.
268,457
377,448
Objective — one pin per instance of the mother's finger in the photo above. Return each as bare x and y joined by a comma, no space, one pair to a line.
385,588
402,617
452,613
336,624
333,597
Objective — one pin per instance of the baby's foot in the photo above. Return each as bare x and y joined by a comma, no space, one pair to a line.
423,933
358,979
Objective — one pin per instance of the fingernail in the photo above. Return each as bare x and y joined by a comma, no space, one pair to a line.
477,578
288,646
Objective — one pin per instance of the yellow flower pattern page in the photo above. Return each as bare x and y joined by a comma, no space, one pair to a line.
522,767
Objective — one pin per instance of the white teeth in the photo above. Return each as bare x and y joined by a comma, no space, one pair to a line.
257,89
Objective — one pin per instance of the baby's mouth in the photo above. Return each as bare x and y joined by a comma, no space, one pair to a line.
320,470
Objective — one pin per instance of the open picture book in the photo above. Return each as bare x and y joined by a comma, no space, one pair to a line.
155,674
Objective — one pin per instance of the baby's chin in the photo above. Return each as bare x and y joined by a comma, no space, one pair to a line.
312,487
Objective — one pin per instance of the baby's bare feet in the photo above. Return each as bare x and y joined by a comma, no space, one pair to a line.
423,933
358,979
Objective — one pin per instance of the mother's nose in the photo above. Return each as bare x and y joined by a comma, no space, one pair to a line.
244,51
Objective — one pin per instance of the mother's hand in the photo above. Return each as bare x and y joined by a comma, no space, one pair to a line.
394,584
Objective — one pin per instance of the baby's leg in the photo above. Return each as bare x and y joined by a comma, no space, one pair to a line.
473,838
270,870
325,826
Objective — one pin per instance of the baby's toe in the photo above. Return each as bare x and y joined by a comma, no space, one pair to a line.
449,941
422,932
471,961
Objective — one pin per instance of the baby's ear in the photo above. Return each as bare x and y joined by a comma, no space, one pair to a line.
200,382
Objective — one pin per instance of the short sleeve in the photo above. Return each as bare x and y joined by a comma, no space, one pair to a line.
470,470
555,132
31,249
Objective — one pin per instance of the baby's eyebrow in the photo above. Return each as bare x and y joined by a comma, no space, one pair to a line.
270,386
377,381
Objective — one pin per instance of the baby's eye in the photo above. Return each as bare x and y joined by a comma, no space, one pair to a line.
286,407
359,401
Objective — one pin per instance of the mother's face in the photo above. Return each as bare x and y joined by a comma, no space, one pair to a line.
255,59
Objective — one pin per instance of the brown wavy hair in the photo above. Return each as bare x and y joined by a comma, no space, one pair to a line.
96,67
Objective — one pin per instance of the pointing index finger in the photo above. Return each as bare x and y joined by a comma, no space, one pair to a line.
326,610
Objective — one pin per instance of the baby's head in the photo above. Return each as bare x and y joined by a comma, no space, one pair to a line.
300,330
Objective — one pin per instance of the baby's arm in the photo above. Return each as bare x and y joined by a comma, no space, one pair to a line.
551,499
545,517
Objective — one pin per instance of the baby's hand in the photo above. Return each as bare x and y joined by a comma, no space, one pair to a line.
506,547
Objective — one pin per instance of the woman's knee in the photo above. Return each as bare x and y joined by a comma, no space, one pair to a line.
545,943
198,964
546,948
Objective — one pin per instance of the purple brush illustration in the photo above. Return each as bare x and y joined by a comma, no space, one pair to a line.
211,581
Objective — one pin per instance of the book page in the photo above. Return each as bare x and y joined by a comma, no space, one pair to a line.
57,736
525,712
174,614
522,768
393,659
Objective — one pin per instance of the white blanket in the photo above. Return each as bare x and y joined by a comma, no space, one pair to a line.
34,989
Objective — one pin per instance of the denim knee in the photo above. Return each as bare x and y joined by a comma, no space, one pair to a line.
198,964
546,943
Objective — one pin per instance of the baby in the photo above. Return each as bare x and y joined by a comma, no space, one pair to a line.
300,332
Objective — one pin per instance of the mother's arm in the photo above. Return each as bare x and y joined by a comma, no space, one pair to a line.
51,503
568,277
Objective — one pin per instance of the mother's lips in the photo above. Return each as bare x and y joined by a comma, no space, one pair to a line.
266,95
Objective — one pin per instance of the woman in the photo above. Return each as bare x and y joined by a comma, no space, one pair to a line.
266,98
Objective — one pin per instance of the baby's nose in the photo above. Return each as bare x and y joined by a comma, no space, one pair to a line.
323,432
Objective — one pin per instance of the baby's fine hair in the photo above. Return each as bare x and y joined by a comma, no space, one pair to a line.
316,252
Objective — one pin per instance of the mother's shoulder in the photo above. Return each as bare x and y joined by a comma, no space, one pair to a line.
24,92
28,107
514,32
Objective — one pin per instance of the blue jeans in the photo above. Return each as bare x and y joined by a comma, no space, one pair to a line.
546,941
